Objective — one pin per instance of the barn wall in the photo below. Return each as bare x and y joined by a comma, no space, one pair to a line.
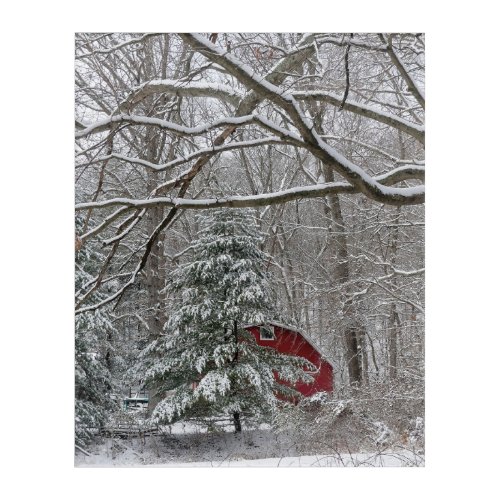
290,342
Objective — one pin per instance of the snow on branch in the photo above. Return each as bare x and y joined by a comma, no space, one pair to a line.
197,154
107,123
182,88
416,131
415,272
406,196
353,42
106,222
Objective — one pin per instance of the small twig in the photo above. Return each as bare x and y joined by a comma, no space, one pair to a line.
347,82
82,450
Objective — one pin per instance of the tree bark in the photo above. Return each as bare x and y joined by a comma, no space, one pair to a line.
237,422
342,276
392,345
236,415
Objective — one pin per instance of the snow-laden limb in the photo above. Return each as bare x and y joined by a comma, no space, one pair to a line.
368,185
402,173
416,272
413,129
183,88
197,154
105,223
323,39
232,122
107,123
412,194
137,218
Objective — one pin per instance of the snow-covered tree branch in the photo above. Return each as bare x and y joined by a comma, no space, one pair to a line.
298,193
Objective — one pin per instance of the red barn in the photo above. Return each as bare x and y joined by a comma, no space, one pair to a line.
289,340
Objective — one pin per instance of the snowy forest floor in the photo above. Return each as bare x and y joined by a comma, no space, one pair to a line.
188,447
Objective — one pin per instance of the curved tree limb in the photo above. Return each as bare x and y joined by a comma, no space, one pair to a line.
320,190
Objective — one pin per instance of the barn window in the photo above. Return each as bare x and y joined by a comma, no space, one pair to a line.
267,333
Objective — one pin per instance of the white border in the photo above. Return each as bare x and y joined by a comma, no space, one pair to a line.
37,195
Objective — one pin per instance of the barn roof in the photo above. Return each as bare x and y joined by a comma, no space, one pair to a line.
304,334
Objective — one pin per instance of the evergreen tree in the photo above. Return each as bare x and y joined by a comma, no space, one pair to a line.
207,363
93,381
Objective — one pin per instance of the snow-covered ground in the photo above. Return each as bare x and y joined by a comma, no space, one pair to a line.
387,459
189,446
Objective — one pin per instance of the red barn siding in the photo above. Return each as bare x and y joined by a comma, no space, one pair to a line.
292,342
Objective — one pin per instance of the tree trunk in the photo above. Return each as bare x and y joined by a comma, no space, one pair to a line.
236,415
354,361
156,267
394,329
364,355
237,422
235,334
341,272
392,344
155,283
342,276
